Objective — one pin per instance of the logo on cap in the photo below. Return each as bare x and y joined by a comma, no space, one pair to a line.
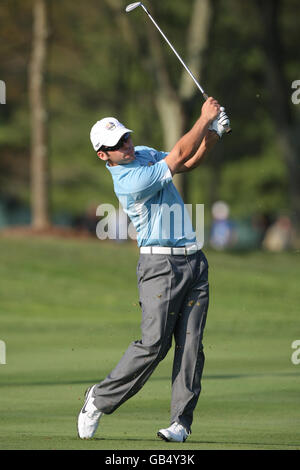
110,126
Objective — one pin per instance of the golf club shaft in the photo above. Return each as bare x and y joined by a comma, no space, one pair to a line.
205,96
131,7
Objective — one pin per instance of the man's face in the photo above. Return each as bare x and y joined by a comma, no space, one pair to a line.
121,156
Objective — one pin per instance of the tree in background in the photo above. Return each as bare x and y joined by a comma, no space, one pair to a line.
39,118
287,130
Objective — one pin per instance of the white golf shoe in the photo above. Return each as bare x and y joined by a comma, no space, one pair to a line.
175,433
89,416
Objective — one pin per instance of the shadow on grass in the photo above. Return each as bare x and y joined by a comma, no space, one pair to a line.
191,441
94,380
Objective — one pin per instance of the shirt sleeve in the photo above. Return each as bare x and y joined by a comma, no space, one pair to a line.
160,155
155,154
145,181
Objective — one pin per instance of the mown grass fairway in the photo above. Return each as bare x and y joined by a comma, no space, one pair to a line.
68,310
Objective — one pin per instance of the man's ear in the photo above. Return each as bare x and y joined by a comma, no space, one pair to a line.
102,155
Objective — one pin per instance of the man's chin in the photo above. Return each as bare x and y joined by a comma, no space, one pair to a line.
129,158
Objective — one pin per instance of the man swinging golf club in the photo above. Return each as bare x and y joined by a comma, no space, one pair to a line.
172,270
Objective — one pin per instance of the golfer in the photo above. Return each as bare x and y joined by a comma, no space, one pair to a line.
172,270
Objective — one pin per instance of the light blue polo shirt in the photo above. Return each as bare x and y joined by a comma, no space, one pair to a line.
148,196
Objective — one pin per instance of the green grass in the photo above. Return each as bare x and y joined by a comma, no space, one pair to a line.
69,309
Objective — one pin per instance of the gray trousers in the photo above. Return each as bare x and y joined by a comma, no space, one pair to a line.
174,299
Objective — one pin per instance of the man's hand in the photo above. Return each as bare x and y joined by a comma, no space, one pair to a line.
210,110
220,124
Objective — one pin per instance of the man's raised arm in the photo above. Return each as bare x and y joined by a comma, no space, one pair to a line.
189,144
207,144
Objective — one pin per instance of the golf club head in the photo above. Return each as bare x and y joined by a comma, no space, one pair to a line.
132,6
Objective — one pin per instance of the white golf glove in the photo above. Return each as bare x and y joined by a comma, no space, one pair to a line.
220,124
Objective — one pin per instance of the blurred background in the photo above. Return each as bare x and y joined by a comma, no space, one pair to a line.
68,64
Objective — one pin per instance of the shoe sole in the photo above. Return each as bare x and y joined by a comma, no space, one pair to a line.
164,438
85,396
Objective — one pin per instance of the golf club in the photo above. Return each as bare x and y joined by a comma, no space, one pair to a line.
133,6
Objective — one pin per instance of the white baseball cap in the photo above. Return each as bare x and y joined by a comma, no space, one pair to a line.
107,132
